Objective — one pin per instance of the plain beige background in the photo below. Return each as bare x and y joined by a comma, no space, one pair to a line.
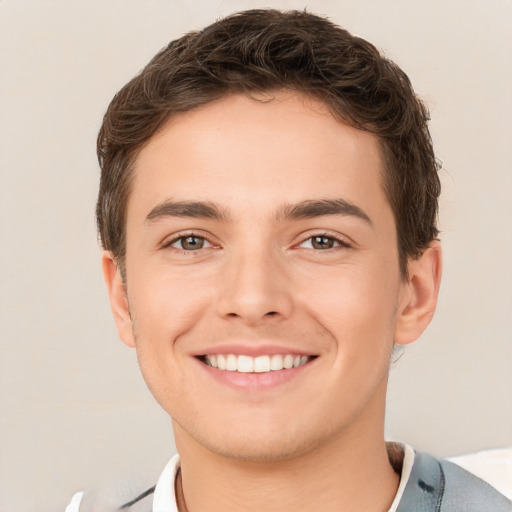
74,410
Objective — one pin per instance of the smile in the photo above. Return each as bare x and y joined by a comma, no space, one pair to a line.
260,364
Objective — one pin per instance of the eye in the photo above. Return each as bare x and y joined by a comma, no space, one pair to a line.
189,243
322,242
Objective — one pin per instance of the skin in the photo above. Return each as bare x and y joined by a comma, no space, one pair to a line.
255,279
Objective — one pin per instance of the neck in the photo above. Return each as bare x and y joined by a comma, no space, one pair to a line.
350,472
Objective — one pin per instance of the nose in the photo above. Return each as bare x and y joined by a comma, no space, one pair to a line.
255,288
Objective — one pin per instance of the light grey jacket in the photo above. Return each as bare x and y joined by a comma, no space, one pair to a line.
442,486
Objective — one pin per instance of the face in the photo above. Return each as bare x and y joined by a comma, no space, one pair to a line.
263,280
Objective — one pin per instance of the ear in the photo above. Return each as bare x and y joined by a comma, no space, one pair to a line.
118,301
418,296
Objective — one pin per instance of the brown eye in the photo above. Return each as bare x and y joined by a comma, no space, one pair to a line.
192,243
323,242
189,243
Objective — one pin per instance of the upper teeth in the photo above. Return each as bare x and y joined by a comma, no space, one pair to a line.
260,364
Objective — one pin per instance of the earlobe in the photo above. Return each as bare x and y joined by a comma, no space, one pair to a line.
419,294
117,296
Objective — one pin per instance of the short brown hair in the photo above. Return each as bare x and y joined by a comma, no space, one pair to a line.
263,50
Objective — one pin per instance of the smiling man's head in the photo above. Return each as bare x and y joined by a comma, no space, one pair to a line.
267,206
262,51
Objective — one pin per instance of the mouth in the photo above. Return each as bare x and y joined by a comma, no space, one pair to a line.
259,364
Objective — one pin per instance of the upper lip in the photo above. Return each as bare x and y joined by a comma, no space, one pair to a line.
253,349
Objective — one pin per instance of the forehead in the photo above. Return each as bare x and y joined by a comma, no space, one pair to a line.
253,152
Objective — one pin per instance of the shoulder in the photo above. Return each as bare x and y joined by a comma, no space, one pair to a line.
441,486
466,491
493,466
128,496
131,496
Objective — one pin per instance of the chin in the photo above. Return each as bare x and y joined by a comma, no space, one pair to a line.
270,443
259,450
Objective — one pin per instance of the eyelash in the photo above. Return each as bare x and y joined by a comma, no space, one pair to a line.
184,236
340,243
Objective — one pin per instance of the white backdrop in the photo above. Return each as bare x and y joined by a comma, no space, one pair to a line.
74,410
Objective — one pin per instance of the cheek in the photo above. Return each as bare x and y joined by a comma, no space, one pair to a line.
355,295
164,307
358,309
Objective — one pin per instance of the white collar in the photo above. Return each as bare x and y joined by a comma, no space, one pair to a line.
164,499
404,477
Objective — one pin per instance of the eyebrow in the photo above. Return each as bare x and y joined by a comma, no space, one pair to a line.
194,209
303,210
317,208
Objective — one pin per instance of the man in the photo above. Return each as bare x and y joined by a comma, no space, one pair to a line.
268,206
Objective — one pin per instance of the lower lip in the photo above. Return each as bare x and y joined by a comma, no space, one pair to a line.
255,381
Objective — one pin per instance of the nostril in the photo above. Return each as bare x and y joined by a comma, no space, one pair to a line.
271,313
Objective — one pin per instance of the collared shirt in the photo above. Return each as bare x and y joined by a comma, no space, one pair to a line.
164,499
426,485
